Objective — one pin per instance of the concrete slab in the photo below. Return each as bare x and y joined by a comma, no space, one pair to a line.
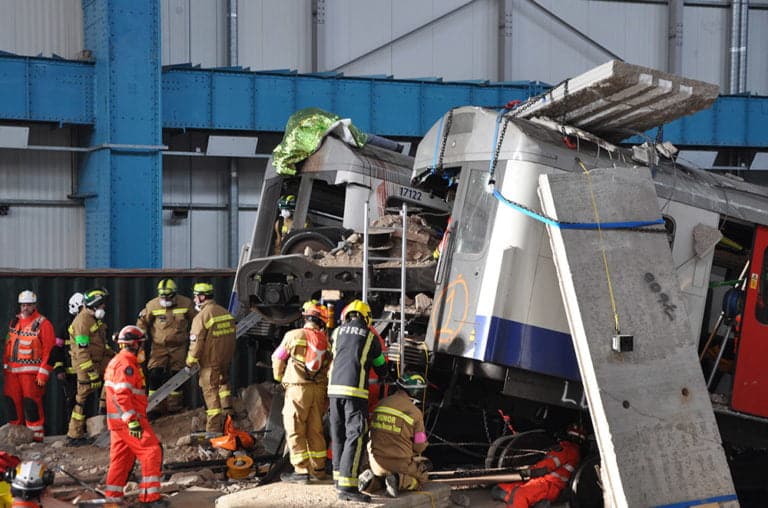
278,495
652,415
617,99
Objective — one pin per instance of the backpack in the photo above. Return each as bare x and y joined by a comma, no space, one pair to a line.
317,345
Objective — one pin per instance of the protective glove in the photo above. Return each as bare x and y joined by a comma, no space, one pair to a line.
134,429
525,474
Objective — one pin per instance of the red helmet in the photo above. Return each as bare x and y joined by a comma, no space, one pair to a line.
316,312
576,433
130,336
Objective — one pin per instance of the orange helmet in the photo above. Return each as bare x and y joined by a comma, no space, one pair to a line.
130,336
317,313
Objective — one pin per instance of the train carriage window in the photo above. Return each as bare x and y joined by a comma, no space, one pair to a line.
761,307
669,225
473,221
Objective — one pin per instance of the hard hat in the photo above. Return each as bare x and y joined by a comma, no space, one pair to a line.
317,313
95,297
76,302
130,336
30,479
27,296
287,202
412,383
576,433
203,288
166,287
360,307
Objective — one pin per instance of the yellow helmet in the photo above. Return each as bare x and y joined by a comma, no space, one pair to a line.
360,307
166,287
203,288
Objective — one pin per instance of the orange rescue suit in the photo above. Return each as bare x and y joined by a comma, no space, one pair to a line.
127,402
27,351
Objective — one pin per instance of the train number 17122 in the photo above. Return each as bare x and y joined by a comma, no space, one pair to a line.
407,193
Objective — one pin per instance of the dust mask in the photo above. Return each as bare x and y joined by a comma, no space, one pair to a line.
285,214
99,313
166,303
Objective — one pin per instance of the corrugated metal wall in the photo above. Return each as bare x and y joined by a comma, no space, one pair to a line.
453,39
129,291
43,227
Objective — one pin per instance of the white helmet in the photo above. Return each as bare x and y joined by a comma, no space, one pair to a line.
76,302
27,296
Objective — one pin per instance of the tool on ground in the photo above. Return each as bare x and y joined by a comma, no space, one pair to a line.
239,467
81,482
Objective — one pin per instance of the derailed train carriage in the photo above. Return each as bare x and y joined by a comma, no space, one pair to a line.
498,321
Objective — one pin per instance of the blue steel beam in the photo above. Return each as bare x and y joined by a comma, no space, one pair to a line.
123,216
46,90
263,101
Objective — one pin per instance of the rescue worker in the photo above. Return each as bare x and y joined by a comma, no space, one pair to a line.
284,223
547,478
29,481
26,364
301,364
355,349
397,438
212,346
131,435
60,359
90,353
167,319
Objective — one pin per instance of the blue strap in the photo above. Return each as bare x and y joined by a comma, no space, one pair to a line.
573,225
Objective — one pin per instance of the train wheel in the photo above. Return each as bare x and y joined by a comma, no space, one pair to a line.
297,244
524,449
585,485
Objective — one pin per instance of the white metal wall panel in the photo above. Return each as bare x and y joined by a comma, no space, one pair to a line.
275,34
43,228
33,27
757,65
706,39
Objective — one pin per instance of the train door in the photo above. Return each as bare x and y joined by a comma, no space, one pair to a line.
750,387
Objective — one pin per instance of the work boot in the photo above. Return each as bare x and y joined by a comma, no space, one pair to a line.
302,478
159,503
352,494
393,484
78,441
365,480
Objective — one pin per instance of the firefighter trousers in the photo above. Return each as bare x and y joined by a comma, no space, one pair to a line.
84,406
303,422
214,382
349,425
411,472
124,449
25,403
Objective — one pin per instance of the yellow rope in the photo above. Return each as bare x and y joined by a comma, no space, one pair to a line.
427,493
602,245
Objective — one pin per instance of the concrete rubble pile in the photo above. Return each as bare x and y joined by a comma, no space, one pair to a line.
421,243
90,463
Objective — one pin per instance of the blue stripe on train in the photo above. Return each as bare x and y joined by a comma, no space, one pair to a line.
528,347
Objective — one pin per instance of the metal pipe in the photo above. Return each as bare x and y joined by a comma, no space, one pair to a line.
733,79
365,253
743,45
232,14
403,259
234,213
675,43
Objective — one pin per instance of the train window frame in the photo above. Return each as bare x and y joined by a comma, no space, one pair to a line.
475,193
671,227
